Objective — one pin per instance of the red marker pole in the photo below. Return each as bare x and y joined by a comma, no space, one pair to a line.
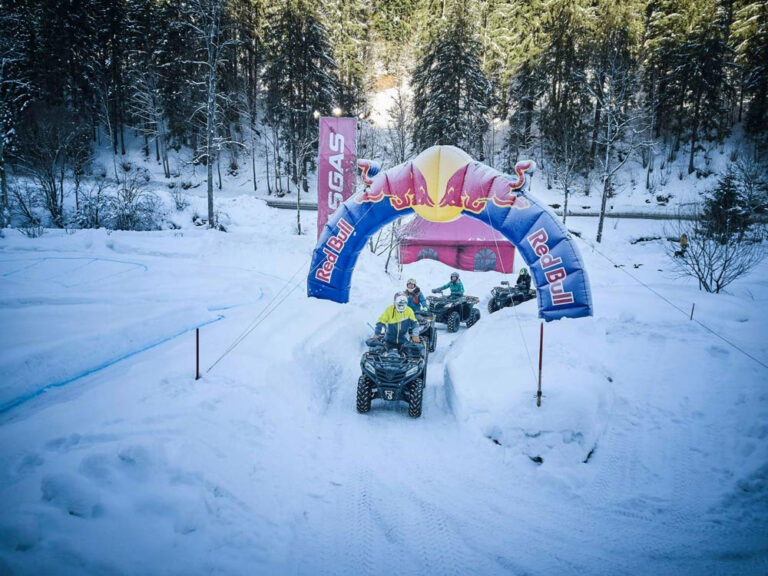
541,350
197,353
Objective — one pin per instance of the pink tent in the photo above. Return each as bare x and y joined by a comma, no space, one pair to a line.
466,243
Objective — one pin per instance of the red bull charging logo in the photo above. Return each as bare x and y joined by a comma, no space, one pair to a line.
443,182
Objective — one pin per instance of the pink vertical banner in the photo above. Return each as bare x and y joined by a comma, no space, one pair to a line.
336,169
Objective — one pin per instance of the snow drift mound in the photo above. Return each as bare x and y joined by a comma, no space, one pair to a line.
492,382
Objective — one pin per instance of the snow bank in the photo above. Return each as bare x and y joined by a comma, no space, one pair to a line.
493,382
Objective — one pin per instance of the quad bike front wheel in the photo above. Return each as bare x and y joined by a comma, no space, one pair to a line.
363,395
415,398
474,317
433,339
453,322
492,306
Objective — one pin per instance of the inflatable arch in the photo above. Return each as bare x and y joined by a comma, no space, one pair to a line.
440,184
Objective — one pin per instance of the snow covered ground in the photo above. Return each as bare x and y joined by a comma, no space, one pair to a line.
649,454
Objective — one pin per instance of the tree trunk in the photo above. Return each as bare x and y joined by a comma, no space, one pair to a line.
565,204
218,166
694,132
210,127
679,132
122,135
3,194
266,165
113,131
276,158
298,210
606,176
253,161
77,187
528,119
391,245
595,130
651,147
741,95
209,149
606,188
163,146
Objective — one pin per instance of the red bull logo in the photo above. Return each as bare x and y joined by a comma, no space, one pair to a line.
555,276
411,198
443,181
473,195
407,199
332,249
407,191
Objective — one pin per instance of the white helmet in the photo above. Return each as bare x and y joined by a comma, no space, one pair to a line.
401,301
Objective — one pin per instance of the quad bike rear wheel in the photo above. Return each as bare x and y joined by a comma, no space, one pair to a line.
492,306
415,398
363,395
453,322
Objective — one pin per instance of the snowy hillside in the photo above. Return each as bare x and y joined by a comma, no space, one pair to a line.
648,454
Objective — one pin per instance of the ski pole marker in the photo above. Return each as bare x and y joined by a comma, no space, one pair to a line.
541,350
197,353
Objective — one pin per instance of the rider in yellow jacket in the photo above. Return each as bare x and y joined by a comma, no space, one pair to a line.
398,322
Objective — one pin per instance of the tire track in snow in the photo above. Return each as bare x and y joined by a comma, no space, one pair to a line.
369,525
441,545
362,538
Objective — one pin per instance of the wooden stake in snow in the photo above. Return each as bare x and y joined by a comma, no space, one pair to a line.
197,353
541,350
692,307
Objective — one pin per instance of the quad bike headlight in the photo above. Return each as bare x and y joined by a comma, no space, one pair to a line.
412,370
369,367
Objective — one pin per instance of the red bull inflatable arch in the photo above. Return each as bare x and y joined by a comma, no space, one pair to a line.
441,184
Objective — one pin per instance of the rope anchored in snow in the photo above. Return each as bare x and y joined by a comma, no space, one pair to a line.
277,300
675,306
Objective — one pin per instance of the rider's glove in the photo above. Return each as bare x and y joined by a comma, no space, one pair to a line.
416,339
435,290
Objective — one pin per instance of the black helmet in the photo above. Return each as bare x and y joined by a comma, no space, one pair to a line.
454,275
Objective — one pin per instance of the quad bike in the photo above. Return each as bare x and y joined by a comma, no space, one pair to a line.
427,329
393,374
506,295
451,311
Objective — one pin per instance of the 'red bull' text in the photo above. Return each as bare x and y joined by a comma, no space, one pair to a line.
554,276
332,250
